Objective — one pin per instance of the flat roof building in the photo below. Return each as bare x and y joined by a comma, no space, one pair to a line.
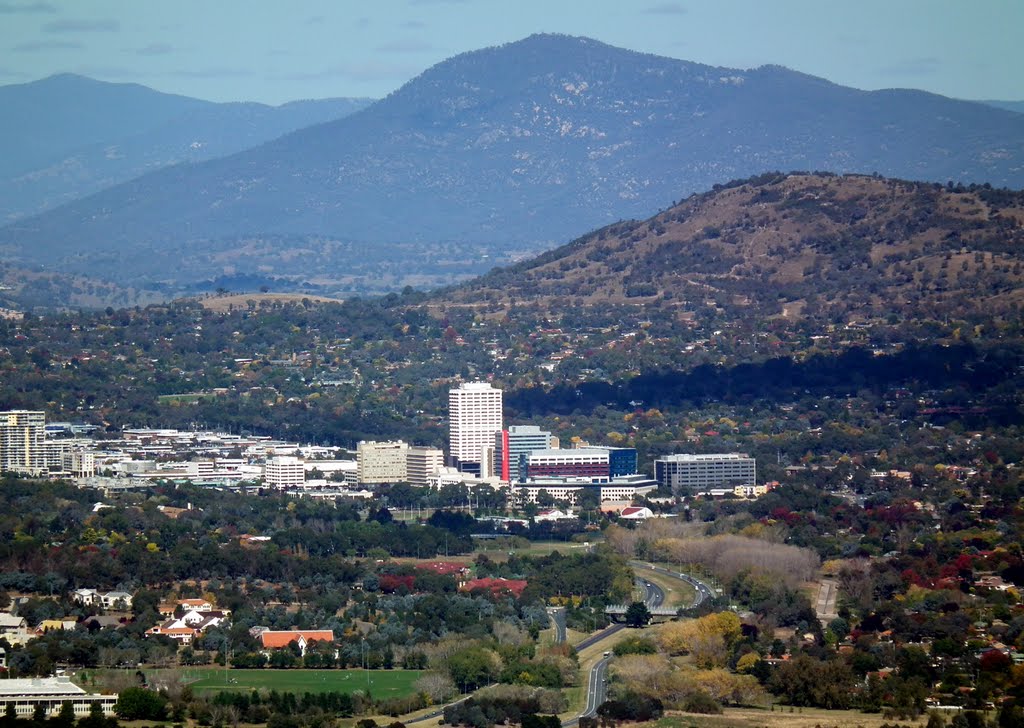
512,446
22,435
421,463
687,474
50,692
474,416
285,471
381,462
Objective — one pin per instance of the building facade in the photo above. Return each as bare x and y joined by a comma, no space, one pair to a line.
474,416
285,471
421,463
511,447
581,462
687,474
381,462
24,694
22,435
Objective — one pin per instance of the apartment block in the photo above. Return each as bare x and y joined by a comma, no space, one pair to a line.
22,442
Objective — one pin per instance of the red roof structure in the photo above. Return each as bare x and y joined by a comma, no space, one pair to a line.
274,639
497,587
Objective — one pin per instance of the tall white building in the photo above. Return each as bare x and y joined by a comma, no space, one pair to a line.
21,442
474,416
285,471
381,462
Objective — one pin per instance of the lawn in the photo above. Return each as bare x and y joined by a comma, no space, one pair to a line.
382,683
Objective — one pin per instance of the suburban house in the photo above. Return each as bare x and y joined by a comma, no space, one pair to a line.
51,625
188,626
169,609
14,629
109,600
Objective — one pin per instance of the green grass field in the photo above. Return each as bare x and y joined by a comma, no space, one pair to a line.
382,683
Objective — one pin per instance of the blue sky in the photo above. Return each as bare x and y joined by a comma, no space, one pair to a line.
263,50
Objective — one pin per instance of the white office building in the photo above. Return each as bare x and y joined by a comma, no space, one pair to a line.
381,462
24,694
421,463
687,474
474,417
22,442
285,471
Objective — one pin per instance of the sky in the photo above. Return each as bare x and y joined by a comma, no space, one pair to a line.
273,51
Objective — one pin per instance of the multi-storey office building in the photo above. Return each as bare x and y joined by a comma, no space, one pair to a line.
511,447
381,462
284,471
421,463
474,416
581,462
687,473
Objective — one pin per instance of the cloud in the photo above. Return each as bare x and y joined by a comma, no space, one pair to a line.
407,45
100,25
26,8
47,45
155,49
666,9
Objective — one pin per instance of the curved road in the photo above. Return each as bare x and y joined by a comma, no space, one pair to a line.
654,596
557,616
702,590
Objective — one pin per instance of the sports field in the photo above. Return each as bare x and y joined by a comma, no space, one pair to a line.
382,683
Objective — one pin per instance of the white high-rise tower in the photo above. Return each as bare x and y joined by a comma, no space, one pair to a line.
474,416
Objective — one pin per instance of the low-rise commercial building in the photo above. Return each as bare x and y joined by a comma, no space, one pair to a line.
51,693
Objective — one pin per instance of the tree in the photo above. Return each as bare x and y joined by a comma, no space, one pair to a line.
141,704
638,615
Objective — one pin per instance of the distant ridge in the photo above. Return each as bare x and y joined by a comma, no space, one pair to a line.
66,136
496,154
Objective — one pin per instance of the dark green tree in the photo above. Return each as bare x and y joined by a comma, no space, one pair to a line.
638,615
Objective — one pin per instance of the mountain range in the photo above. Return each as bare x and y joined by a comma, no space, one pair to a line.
67,136
495,155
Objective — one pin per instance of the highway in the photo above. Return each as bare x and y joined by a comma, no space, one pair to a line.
597,687
597,682
557,615
702,591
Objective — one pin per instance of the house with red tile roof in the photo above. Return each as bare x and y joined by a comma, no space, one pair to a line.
272,639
